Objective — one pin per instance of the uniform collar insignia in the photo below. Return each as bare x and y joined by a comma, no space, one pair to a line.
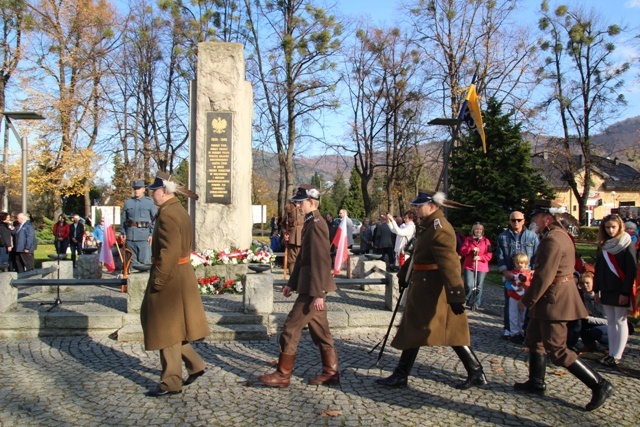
436,224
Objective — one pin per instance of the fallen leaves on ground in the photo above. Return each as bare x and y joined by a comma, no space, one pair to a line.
559,373
331,413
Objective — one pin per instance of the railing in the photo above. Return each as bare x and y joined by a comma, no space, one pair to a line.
37,272
68,282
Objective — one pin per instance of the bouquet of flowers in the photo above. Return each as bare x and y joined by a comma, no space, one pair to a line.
261,257
260,253
215,285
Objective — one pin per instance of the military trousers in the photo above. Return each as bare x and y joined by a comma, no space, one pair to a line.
302,314
171,359
550,337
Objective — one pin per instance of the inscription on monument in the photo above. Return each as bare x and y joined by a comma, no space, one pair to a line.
219,144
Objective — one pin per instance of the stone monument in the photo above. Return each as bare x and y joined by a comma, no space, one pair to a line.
220,153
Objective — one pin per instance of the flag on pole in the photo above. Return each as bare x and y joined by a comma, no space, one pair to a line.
340,241
471,114
106,256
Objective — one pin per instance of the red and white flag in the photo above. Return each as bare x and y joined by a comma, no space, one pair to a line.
106,256
340,241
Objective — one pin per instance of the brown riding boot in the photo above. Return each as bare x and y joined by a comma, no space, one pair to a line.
282,375
329,375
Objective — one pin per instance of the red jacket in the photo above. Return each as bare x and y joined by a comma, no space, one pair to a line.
484,252
63,232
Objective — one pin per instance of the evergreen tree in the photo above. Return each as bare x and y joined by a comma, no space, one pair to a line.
327,206
354,202
498,182
316,180
339,191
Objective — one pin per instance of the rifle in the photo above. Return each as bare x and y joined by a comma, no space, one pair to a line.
393,317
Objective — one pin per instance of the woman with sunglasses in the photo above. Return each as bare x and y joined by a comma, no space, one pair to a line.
613,283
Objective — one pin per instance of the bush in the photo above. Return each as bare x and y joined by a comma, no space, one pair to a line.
44,233
588,234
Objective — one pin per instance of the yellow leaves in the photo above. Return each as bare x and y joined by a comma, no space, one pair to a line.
54,171
331,413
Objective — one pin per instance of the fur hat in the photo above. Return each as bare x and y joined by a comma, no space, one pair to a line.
438,198
547,206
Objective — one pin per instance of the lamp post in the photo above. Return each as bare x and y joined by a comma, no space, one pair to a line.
9,116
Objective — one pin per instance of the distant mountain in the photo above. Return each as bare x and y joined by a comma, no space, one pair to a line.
621,140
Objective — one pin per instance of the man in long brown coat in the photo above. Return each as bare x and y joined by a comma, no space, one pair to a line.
434,313
172,313
553,300
312,280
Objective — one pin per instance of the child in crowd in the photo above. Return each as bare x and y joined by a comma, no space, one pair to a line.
594,328
516,290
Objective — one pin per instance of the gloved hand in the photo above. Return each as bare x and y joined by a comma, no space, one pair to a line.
457,308
402,276
402,281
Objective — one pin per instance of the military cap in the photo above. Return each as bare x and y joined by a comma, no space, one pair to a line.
138,183
306,191
438,198
547,206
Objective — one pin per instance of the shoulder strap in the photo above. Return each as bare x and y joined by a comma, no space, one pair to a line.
612,262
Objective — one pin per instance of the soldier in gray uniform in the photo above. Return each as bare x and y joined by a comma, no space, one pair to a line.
137,216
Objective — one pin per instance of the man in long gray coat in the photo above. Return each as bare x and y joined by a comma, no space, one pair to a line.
172,313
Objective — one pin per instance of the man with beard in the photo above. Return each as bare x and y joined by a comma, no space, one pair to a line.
553,301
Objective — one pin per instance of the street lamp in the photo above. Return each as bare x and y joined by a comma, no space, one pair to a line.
21,115
446,151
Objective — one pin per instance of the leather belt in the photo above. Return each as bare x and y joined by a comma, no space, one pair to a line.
141,224
425,267
185,260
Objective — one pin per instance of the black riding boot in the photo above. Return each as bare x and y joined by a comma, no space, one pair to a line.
601,388
401,373
537,370
475,374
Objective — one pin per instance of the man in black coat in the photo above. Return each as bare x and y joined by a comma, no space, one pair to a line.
385,240
76,233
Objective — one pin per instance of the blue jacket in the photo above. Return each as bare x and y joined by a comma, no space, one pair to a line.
24,238
98,233
141,211
509,245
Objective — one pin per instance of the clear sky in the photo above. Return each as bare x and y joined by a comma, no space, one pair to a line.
621,12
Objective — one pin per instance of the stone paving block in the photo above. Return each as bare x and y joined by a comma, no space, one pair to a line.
258,293
369,319
82,321
338,319
8,293
136,286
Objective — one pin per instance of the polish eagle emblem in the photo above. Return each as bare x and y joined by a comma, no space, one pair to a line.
219,125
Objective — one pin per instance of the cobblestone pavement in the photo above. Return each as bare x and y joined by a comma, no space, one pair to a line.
82,381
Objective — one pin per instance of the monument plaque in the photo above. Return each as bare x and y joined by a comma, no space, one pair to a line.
219,148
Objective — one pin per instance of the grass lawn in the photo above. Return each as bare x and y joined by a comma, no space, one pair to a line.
41,254
587,251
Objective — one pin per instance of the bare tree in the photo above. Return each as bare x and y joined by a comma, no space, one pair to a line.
461,37
70,39
584,85
386,97
292,45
